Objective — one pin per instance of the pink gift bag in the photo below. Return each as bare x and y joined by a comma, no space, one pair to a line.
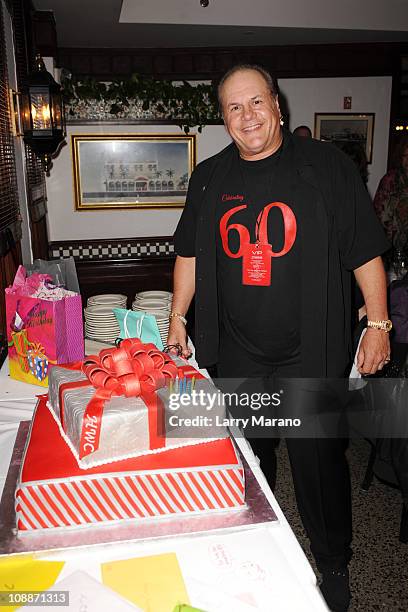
42,333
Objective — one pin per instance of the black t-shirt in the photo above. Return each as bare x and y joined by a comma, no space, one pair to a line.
264,320
338,232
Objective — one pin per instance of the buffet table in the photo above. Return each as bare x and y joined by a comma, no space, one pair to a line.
261,567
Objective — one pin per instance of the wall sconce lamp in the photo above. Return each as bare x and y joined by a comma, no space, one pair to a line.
39,106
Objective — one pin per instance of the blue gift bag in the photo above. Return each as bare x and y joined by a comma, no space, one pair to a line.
138,324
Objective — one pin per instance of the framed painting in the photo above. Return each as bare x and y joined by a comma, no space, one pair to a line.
131,171
346,128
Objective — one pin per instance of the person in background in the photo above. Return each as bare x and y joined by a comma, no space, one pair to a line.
272,229
391,202
303,131
357,153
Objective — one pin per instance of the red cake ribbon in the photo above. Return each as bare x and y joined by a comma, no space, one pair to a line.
133,369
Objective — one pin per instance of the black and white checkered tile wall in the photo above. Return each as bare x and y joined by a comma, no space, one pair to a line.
115,249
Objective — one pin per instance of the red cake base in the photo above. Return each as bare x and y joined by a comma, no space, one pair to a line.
53,492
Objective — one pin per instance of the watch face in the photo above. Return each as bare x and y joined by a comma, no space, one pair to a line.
388,326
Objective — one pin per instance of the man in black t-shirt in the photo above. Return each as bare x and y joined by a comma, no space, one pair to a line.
272,228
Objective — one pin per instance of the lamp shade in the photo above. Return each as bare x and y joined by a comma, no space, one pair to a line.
42,115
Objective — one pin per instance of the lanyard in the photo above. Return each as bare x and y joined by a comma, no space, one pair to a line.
271,177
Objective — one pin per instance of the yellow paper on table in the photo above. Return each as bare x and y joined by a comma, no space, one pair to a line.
25,573
154,583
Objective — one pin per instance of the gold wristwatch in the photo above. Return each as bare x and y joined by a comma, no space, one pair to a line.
385,325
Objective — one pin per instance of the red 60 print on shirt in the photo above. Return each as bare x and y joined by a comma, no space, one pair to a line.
257,258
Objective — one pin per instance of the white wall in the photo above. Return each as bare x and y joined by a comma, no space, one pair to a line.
64,223
304,97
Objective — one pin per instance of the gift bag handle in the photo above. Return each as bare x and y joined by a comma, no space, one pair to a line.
139,325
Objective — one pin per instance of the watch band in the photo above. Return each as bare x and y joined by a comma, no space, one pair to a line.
178,316
385,325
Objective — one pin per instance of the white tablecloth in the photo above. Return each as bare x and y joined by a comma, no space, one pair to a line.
292,583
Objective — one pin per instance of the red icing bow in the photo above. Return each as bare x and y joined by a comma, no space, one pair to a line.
133,369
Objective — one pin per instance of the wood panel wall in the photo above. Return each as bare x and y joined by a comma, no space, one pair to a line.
124,276
293,61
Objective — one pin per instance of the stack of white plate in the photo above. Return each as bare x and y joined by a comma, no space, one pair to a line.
157,303
101,323
116,300
165,296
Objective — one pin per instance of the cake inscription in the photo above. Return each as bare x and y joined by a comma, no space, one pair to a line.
91,426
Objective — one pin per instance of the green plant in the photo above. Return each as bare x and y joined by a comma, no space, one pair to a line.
191,105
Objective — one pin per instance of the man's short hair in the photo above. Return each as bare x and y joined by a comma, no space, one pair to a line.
269,80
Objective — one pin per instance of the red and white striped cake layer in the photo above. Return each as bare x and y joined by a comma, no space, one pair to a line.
53,492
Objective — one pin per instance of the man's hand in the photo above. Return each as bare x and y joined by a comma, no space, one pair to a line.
374,351
183,287
178,335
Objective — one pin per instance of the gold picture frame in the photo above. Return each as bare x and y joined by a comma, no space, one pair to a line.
341,128
122,171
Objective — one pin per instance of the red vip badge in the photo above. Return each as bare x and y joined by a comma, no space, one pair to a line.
256,264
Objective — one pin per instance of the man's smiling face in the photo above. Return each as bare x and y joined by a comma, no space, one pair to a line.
251,114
